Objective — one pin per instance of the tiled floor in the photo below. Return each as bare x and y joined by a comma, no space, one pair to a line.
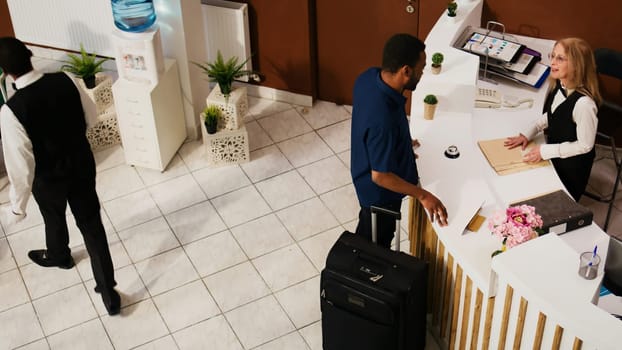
225,258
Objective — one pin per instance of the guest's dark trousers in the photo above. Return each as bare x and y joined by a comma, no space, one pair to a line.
52,194
385,224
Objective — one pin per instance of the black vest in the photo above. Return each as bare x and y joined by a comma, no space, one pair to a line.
574,171
51,112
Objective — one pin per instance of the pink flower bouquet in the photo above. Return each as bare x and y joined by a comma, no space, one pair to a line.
515,225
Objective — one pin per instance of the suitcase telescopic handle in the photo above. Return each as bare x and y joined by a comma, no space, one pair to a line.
374,228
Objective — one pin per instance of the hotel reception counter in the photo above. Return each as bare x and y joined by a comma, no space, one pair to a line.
528,297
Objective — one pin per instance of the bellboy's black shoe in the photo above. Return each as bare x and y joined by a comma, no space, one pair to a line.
41,258
112,302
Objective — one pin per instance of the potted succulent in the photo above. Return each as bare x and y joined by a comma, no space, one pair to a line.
437,61
224,72
429,106
452,7
211,116
84,66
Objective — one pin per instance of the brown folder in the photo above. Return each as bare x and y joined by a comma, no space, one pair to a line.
504,160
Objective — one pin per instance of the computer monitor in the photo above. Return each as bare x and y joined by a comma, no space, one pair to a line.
613,267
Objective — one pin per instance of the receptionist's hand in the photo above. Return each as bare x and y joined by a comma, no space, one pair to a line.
515,141
533,155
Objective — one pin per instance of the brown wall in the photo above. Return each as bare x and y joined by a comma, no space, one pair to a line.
281,42
6,27
597,21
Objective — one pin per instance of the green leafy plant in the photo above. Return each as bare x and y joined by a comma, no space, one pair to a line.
437,59
211,115
452,7
430,99
224,72
84,66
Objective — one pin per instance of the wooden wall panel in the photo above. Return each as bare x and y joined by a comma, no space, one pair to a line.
281,41
6,27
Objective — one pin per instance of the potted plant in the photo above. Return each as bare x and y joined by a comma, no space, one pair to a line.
224,72
84,66
211,115
429,106
452,7
437,60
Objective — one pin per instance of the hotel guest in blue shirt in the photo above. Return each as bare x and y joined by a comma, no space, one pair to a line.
383,164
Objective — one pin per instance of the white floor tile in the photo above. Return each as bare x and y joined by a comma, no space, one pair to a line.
249,322
326,174
284,125
13,291
195,222
164,343
261,235
302,302
19,326
77,308
284,267
240,206
305,149
42,281
291,341
166,271
318,246
257,137
260,107
148,239
117,253
24,241
345,158
109,158
186,305
33,218
217,181
7,262
265,163
88,335
337,136
313,335
117,182
40,344
237,285
175,168
129,286
215,332
215,253
193,154
343,203
136,325
278,190
167,194
130,210
323,113
307,218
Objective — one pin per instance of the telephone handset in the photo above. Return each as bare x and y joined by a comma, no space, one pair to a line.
487,98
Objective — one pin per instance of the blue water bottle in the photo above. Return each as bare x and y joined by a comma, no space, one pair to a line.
133,15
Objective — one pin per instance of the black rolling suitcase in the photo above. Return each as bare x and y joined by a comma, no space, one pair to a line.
372,298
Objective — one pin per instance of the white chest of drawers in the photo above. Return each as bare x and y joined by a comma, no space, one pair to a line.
151,118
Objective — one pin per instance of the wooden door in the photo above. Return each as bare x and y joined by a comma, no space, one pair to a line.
350,38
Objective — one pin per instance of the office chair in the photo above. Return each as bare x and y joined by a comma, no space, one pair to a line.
609,62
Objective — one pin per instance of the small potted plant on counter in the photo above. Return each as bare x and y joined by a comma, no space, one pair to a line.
84,66
437,61
429,106
452,7
211,115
